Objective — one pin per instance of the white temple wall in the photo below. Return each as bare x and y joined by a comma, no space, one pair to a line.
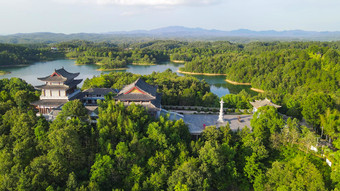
54,94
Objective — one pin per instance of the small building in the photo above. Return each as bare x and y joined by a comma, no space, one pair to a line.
141,93
59,88
260,103
92,95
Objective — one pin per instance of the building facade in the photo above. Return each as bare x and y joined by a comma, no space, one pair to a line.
61,87
58,88
141,93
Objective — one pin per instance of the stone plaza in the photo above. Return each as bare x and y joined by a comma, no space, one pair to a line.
197,122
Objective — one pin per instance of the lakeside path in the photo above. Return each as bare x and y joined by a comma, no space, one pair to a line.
4,72
257,90
229,81
205,74
113,69
177,61
249,84
237,83
143,64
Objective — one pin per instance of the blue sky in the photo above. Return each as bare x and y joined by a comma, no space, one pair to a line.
73,16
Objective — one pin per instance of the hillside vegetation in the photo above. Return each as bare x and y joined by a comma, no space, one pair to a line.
12,55
129,150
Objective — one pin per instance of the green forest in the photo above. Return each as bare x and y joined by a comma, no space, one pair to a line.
129,150
12,55
302,77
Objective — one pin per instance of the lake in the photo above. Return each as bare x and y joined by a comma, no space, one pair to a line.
40,69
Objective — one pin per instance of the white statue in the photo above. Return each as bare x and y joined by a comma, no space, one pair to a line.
220,117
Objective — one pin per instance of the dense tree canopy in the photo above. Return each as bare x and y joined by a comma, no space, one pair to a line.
126,149
129,150
11,54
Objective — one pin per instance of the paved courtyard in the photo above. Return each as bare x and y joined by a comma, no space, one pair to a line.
196,122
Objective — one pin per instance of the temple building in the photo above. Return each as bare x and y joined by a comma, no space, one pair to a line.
260,103
59,88
142,93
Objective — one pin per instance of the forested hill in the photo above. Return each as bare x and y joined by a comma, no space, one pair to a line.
173,33
129,150
280,68
11,55
265,65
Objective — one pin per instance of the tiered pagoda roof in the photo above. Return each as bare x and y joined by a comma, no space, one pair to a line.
60,75
50,102
139,90
64,86
64,77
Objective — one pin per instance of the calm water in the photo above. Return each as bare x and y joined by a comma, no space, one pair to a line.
41,69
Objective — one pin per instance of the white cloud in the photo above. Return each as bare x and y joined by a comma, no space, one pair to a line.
129,13
152,3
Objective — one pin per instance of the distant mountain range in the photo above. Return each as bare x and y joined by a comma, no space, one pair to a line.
176,33
180,31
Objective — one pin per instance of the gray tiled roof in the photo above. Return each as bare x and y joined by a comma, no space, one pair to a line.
157,102
53,79
73,82
61,87
141,85
53,87
134,97
101,91
149,93
64,76
265,102
50,102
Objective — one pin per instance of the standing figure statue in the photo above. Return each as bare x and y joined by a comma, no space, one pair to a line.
220,117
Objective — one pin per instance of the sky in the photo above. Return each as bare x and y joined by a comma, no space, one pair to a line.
100,16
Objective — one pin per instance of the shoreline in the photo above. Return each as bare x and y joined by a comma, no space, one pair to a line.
4,72
257,90
238,83
205,74
113,69
177,61
15,65
248,84
143,64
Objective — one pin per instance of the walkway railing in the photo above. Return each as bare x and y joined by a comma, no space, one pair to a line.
202,108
